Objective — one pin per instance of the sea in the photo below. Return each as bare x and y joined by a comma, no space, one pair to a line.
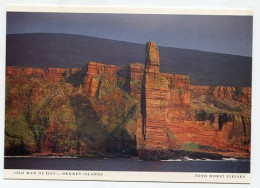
228,165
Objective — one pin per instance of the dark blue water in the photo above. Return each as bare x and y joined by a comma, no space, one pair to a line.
238,166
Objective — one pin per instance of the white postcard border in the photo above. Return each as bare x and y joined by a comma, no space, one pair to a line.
183,177
130,10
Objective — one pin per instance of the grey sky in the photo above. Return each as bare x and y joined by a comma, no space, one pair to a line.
223,34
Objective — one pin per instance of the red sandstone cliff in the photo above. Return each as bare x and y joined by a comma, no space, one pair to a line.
180,116
50,74
172,113
167,117
94,73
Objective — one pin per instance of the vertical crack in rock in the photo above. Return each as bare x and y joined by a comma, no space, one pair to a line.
223,119
244,124
143,106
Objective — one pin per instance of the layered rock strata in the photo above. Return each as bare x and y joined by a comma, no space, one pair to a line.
172,113
50,74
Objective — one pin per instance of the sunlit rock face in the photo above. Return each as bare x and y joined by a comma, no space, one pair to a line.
179,116
123,109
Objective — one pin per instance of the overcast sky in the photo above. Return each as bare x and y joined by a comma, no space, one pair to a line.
223,34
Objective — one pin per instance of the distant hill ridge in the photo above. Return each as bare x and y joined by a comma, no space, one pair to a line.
68,51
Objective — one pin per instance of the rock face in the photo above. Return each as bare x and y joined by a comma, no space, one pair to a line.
152,60
94,74
160,92
124,109
50,74
153,102
173,118
242,95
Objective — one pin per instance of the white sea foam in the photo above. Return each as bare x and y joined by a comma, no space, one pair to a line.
188,159
172,160
229,159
